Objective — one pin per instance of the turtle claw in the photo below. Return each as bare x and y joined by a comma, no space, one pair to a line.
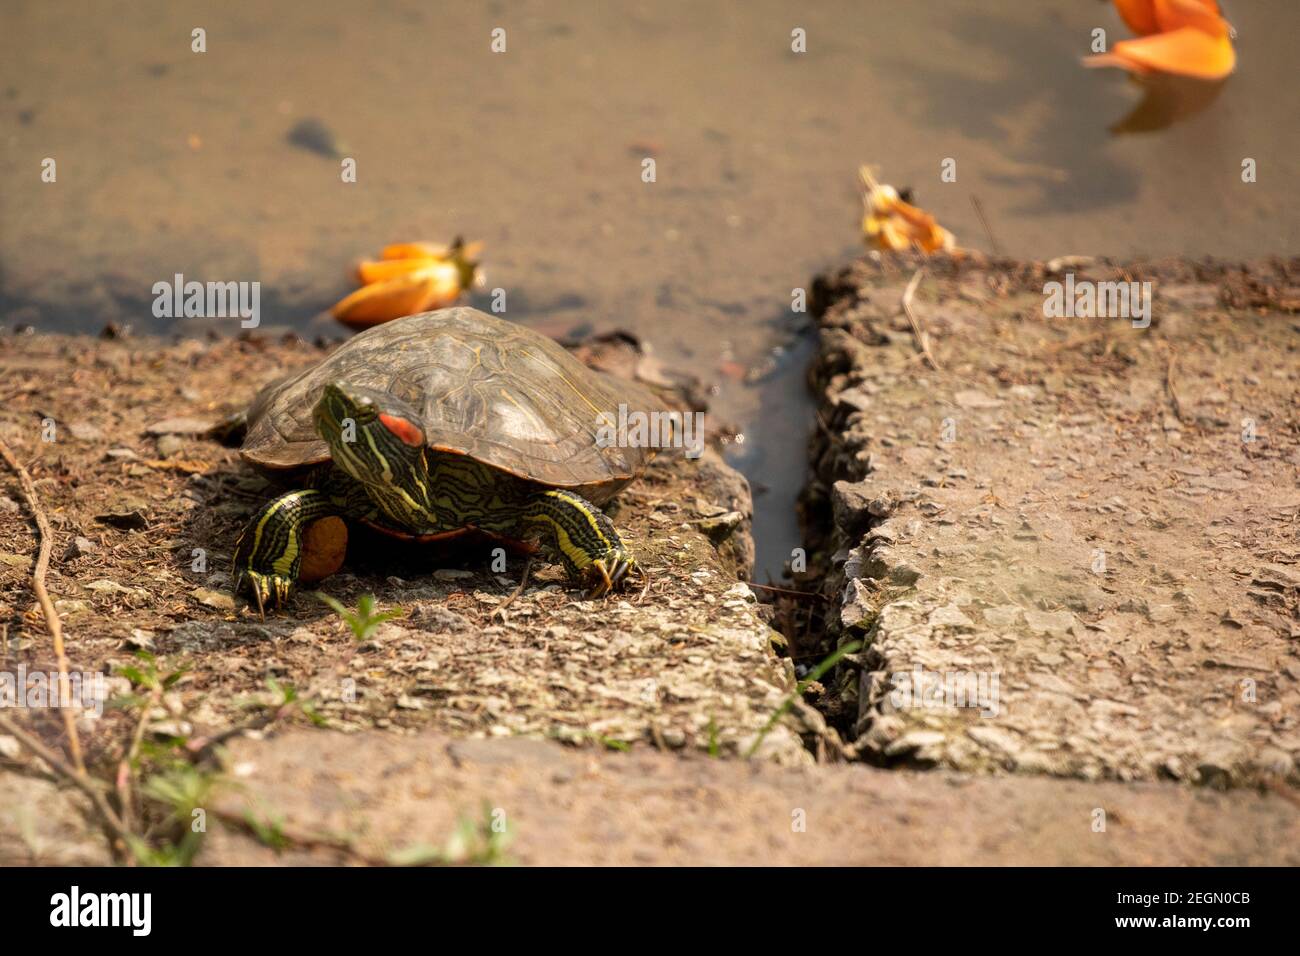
607,574
267,589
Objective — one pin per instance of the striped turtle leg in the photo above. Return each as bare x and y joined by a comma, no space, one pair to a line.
269,552
581,537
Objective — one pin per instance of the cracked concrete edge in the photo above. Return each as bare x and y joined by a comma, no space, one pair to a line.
888,599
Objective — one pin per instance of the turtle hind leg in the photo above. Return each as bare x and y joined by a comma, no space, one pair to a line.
581,537
268,554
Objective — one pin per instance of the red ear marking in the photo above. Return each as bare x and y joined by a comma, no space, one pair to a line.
402,429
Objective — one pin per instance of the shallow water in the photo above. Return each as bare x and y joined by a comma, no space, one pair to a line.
171,161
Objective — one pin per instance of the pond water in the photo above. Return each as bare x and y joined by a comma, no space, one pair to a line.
171,161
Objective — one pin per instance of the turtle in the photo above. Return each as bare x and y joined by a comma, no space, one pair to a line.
437,425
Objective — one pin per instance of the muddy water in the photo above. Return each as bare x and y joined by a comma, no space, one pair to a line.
171,161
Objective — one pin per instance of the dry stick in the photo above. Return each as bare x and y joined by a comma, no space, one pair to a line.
128,758
201,748
922,340
777,590
523,582
1172,388
46,541
988,230
301,839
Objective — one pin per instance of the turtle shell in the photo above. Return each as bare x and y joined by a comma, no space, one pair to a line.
487,388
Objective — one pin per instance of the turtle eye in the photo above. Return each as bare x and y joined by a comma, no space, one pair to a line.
403,429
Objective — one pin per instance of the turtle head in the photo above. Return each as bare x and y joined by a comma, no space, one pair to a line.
373,436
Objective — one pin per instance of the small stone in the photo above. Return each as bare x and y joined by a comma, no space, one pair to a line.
179,426
850,501
169,446
302,635
975,399
673,737
722,525
1277,762
857,610
1004,615
107,586
881,507
740,592
1162,613
8,504
1055,623
171,728
904,574
885,532
79,547
951,616
124,517
140,640
218,600
707,509
429,616
853,399
914,740
84,431
1278,576
452,574
995,739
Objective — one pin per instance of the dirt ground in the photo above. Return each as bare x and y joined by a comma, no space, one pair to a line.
1102,516
565,807
566,731
145,508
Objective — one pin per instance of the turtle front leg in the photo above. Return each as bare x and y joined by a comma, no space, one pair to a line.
268,553
581,537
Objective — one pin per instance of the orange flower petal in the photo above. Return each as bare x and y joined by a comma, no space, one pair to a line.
1202,14
917,218
383,301
1186,52
378,271
1140,15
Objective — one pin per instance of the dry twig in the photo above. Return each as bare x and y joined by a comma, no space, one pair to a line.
52,623
510,599
922,340
1172,388
988,230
